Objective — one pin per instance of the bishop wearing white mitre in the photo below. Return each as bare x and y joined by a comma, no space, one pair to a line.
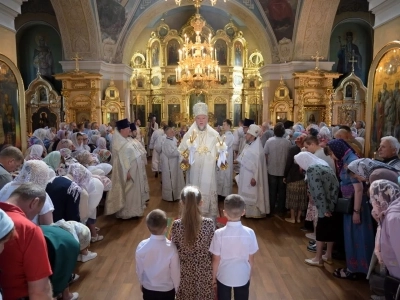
199,145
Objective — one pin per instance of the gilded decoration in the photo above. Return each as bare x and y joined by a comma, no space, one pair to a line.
313,95
158,78
281,108
383,104
349,102
81,102
112,107
43,105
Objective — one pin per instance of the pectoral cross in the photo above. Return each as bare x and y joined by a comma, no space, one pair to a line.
352,61
76,58
317,58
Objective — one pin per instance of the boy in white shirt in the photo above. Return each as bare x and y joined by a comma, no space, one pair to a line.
233,248
157,261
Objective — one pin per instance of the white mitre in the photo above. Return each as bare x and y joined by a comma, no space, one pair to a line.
200,108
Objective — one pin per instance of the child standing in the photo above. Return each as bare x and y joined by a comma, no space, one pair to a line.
233,248
157,261
192,235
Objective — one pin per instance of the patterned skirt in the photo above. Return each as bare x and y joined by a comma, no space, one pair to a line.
296,195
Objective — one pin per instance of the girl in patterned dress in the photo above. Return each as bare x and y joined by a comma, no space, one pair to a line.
192,235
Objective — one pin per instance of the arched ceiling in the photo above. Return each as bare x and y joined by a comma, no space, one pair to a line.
285,29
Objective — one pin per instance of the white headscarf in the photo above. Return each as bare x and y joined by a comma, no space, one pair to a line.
34,152
307,159
35,171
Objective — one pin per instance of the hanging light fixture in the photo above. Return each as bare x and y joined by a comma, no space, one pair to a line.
198,66
196,3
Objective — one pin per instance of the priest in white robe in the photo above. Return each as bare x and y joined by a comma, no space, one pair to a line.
253,176
224,177
123,198
199,142
155,159
172,175
142,175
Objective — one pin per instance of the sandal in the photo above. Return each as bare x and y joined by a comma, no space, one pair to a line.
343,273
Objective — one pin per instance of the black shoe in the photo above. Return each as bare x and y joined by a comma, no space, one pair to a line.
156,175
311,243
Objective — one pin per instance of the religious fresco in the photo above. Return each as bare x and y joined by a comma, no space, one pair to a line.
139,112
112,17
348,40
155,54
219,114
386,99
174,115
10,121
193,99
156,112
237,114
39,49
281,15
238,50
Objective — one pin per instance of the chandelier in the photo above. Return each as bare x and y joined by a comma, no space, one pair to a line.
197,3
198,66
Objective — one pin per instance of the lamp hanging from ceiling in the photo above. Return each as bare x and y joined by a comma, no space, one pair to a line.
197,3
198,66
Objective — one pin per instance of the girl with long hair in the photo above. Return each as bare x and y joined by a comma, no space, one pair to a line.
192,235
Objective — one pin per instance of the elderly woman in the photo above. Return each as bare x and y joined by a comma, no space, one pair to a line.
61,134
93,142
358,229
35,152
66,161
35,171
65,143
53,160
101,144
323,188
363,168
385,200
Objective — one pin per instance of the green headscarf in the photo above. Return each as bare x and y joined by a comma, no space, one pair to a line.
53,160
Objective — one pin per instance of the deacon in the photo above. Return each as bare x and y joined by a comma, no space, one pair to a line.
199,142
142,175
224,176
155,159
253,176
172,174
124,198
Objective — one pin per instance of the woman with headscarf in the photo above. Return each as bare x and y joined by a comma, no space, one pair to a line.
77,141
61,134
85,158
70,194
66,161
101,144
93,142
363,168
296,188
53,160
85,141
323,188
65,143
324,136
35,171
104,156
358,229
95,191
35,152
385,200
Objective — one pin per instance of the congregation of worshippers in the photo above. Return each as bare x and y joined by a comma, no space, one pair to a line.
313,174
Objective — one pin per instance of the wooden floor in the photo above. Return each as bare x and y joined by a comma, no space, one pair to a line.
279,272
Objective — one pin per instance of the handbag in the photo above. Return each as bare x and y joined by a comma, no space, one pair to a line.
392,287
345,206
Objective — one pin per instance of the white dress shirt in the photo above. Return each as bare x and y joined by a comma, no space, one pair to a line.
157,264
234,243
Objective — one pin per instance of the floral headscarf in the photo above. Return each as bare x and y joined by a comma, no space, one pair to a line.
35,171
53,160
34,152
40,133
94,138
365,166
83,157
33,140
80,175
102,143
383,193
104,155
324,135
340,148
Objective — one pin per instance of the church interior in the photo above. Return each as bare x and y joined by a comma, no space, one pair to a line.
307,61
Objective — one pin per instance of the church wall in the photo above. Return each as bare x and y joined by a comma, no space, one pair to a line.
8,43
28,43
385,34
